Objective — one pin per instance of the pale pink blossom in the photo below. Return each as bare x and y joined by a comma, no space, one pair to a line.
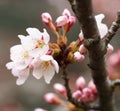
80,83
52,98
103,29
20,63
46,18
78,56
36,42
60,89
45,66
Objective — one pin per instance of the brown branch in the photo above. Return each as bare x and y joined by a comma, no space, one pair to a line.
113,29
84,13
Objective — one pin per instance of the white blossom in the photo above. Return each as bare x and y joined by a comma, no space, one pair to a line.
45,66
20,63
36,42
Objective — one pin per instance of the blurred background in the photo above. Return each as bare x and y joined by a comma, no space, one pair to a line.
15,17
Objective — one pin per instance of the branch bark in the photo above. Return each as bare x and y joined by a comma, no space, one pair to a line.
97,49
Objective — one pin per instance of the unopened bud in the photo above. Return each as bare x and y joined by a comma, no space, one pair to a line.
46,18
51,98
86,95
61,21
60,89
82,49
80,83
77,95
78,57
66,12
92,86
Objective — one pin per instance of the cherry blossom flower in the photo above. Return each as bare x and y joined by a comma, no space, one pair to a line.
45,66
36,42
103,29
20,63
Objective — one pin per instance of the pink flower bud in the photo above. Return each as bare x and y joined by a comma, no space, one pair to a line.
78,57
61,21
110,48
82,49
77,95
72,20
51,98
80,83
46,18
92,86
60,89
40,109
66,12
86,93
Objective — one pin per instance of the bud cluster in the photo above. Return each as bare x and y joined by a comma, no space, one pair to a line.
85,94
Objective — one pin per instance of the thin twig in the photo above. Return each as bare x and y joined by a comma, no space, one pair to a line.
113,29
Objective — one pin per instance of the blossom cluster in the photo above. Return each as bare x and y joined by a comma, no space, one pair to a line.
31,57
85,93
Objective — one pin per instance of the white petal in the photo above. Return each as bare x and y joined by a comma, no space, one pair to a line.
16,53
26,42
10,65
39,51
103,29
34,33
21,65
20,81
37,73
56,66
46,36
46,58
22,77
48,74
99,17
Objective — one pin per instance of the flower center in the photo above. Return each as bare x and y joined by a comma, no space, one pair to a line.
45,65
25,55
40,43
